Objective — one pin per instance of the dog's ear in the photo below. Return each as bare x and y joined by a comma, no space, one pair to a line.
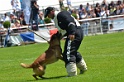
57,33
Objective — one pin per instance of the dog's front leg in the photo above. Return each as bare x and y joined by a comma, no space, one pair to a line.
61,58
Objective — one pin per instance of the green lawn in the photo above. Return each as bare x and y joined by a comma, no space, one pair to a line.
104,55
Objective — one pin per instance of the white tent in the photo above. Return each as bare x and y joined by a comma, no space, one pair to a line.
55,3
5,4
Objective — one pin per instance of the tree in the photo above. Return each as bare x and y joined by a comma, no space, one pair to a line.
7,24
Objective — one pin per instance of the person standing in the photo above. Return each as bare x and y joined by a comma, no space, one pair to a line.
69,4
69,26
22,5
34,15
61,4
26,10
16,7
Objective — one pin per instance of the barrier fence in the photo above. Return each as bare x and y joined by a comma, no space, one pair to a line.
104,25
90,26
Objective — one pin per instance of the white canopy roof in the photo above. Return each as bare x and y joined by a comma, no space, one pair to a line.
5,4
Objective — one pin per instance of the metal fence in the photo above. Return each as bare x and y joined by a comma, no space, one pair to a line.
104,25
96,26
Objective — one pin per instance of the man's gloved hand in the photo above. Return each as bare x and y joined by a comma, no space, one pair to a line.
71,37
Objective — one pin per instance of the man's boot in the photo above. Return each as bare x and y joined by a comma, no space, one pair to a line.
71,69
82,66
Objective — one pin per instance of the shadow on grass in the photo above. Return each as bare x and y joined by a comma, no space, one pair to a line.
47,78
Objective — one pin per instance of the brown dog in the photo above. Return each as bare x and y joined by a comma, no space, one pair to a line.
51,55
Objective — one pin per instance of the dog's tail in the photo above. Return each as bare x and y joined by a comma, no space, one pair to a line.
26,66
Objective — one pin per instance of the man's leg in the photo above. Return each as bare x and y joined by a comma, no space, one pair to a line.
79,60
69,58
36,21
70,55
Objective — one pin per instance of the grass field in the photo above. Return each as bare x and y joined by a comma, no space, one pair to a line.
104,55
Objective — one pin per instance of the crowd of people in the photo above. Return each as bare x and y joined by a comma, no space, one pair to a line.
23,14
102,10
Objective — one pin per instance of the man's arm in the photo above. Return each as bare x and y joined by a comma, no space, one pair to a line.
66,22
35,4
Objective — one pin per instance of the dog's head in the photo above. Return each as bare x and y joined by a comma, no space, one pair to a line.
55,39
56,36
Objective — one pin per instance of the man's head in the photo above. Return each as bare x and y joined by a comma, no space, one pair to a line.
49,11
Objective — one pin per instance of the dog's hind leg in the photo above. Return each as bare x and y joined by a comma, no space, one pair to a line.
35,76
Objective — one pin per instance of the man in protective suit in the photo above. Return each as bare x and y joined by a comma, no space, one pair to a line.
70,27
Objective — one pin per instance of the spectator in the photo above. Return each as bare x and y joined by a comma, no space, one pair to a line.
92,7
89,14
16,7
103,13
61,5
15,4
34,14
75,12
104,3
16,24
12,18
93,22
26,10
88,7
112,4
97,10
122,8
22,20
118,2
118,10
80,8
69,4
41,18
85,24
83,14
112,10
107,11
22,5
1,23
6,17
92,13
